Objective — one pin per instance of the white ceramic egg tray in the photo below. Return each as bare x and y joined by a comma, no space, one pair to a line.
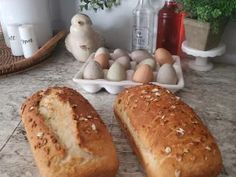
114,87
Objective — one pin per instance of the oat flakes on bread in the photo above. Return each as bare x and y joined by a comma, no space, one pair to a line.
168,137
67,136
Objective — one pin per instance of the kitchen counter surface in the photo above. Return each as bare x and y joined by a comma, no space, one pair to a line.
211,94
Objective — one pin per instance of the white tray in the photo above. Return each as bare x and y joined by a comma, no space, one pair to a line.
112,87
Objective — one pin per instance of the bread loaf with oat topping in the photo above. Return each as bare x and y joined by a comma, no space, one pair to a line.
169,139
67,136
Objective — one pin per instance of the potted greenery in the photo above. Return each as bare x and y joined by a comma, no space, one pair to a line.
98,4
206,20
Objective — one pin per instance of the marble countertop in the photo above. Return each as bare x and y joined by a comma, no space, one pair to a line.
211,94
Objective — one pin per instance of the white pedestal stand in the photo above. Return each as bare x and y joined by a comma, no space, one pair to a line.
201,62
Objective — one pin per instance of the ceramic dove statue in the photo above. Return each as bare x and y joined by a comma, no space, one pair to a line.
82,39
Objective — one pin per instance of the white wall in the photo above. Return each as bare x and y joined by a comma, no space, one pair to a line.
61,12
55,14
68,9
115,25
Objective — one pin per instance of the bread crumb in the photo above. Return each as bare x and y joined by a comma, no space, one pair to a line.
179,157
31,108
186,150
155,90
163,117
89,117
180,131
177,98
208,148
151,99
40,135
148,96
44,142
74,105
156,99
94,128
177,173
172,114
194,122
144,92
167,150
173,107
83,119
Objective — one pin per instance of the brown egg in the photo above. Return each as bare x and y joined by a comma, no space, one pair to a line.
102,50
163,56
143,74
103,60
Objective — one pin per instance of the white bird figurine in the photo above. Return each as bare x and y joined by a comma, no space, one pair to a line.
82,39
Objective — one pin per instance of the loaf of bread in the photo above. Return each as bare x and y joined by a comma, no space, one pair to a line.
169,139
67,136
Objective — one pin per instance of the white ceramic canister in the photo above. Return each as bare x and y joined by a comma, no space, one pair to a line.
27,12
14,39
28,40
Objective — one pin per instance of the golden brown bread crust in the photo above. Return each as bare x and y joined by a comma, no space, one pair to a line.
53,157
168,137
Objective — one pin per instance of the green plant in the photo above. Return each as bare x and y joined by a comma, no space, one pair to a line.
215,12
98,4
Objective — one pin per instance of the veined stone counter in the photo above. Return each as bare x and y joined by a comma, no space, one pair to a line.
211,94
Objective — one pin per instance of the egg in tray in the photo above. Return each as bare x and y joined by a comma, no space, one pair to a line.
120,69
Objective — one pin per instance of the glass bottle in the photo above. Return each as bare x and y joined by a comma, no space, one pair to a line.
143,26
168,27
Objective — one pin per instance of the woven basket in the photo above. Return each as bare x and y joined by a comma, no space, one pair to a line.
10,63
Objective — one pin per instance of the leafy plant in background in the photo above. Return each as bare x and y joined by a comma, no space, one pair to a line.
98,4
216,12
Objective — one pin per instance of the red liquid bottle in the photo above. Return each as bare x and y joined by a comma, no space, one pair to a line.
169,27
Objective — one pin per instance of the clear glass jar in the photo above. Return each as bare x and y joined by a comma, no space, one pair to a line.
143,26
